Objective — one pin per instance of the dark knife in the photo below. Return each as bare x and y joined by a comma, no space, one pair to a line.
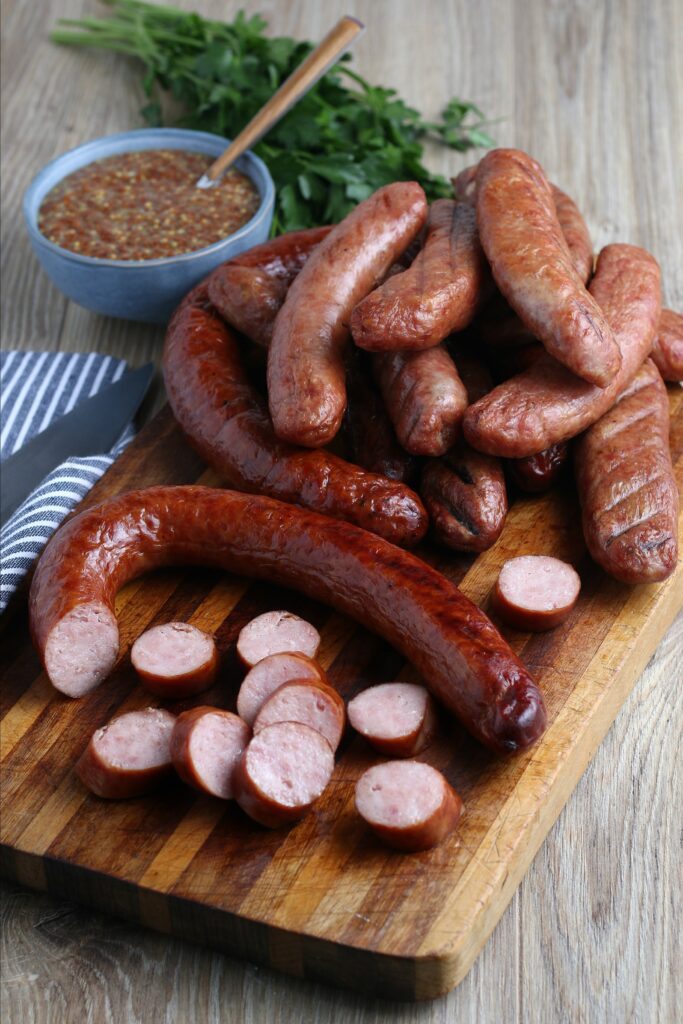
89,429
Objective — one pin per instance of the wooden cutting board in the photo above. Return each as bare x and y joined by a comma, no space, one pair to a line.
322,899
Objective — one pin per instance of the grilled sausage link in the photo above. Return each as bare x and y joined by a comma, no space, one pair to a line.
629,500
438,294
533,267
464,491
464,660
249,290
424,397
547,404
226,421
306,372
667,348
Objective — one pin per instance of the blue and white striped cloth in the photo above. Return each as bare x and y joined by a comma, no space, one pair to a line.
36,388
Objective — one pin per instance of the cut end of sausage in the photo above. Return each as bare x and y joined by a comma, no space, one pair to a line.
82,649
396,718
275,632
175,659
206,746
268,675
316,705
408,804
128,756
282,772
536,592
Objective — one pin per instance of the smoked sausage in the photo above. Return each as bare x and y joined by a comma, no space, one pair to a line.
303,700
424,397
282,772
129,756
398,719
437,295
249,289
175,660
306,372
276,633
533,267
226,420
407,804
464,491
464,660
206,744
667,348
547,403
627,490
269,675
537,473
535,592
369,431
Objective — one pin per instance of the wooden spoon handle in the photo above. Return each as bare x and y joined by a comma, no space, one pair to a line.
290,92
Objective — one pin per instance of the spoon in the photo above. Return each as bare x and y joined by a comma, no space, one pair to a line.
303,78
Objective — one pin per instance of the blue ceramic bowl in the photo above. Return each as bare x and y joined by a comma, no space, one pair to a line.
147,290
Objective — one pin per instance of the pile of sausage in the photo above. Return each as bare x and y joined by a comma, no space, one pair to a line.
380,338
384,337
275,757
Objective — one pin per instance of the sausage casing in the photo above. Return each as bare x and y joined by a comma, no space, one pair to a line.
627,490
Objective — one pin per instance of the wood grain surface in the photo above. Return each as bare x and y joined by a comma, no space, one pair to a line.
594,91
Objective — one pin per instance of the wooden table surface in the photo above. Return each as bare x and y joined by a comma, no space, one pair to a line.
595,91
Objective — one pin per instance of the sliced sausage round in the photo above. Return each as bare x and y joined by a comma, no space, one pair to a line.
398,719
408,804
175,660
312,703
282,773
206,745
535,592
274,632
129,756
269,675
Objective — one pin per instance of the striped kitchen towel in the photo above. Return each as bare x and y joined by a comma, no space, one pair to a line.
36,388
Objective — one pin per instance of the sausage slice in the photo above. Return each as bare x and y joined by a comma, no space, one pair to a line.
312,703
175,660
408,804
206,745
129,756
398,719
269,675
274,632
535,592
282,773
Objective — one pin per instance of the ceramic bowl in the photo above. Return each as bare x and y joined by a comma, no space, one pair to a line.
147,290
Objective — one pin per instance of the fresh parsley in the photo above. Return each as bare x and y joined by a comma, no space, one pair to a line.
342,141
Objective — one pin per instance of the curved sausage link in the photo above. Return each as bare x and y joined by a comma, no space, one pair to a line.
424,397
306,372
465,662
547,404
227,422
627,490
533,267
438,294
249,290
667,348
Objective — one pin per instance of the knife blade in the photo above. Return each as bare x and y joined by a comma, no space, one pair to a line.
89,429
